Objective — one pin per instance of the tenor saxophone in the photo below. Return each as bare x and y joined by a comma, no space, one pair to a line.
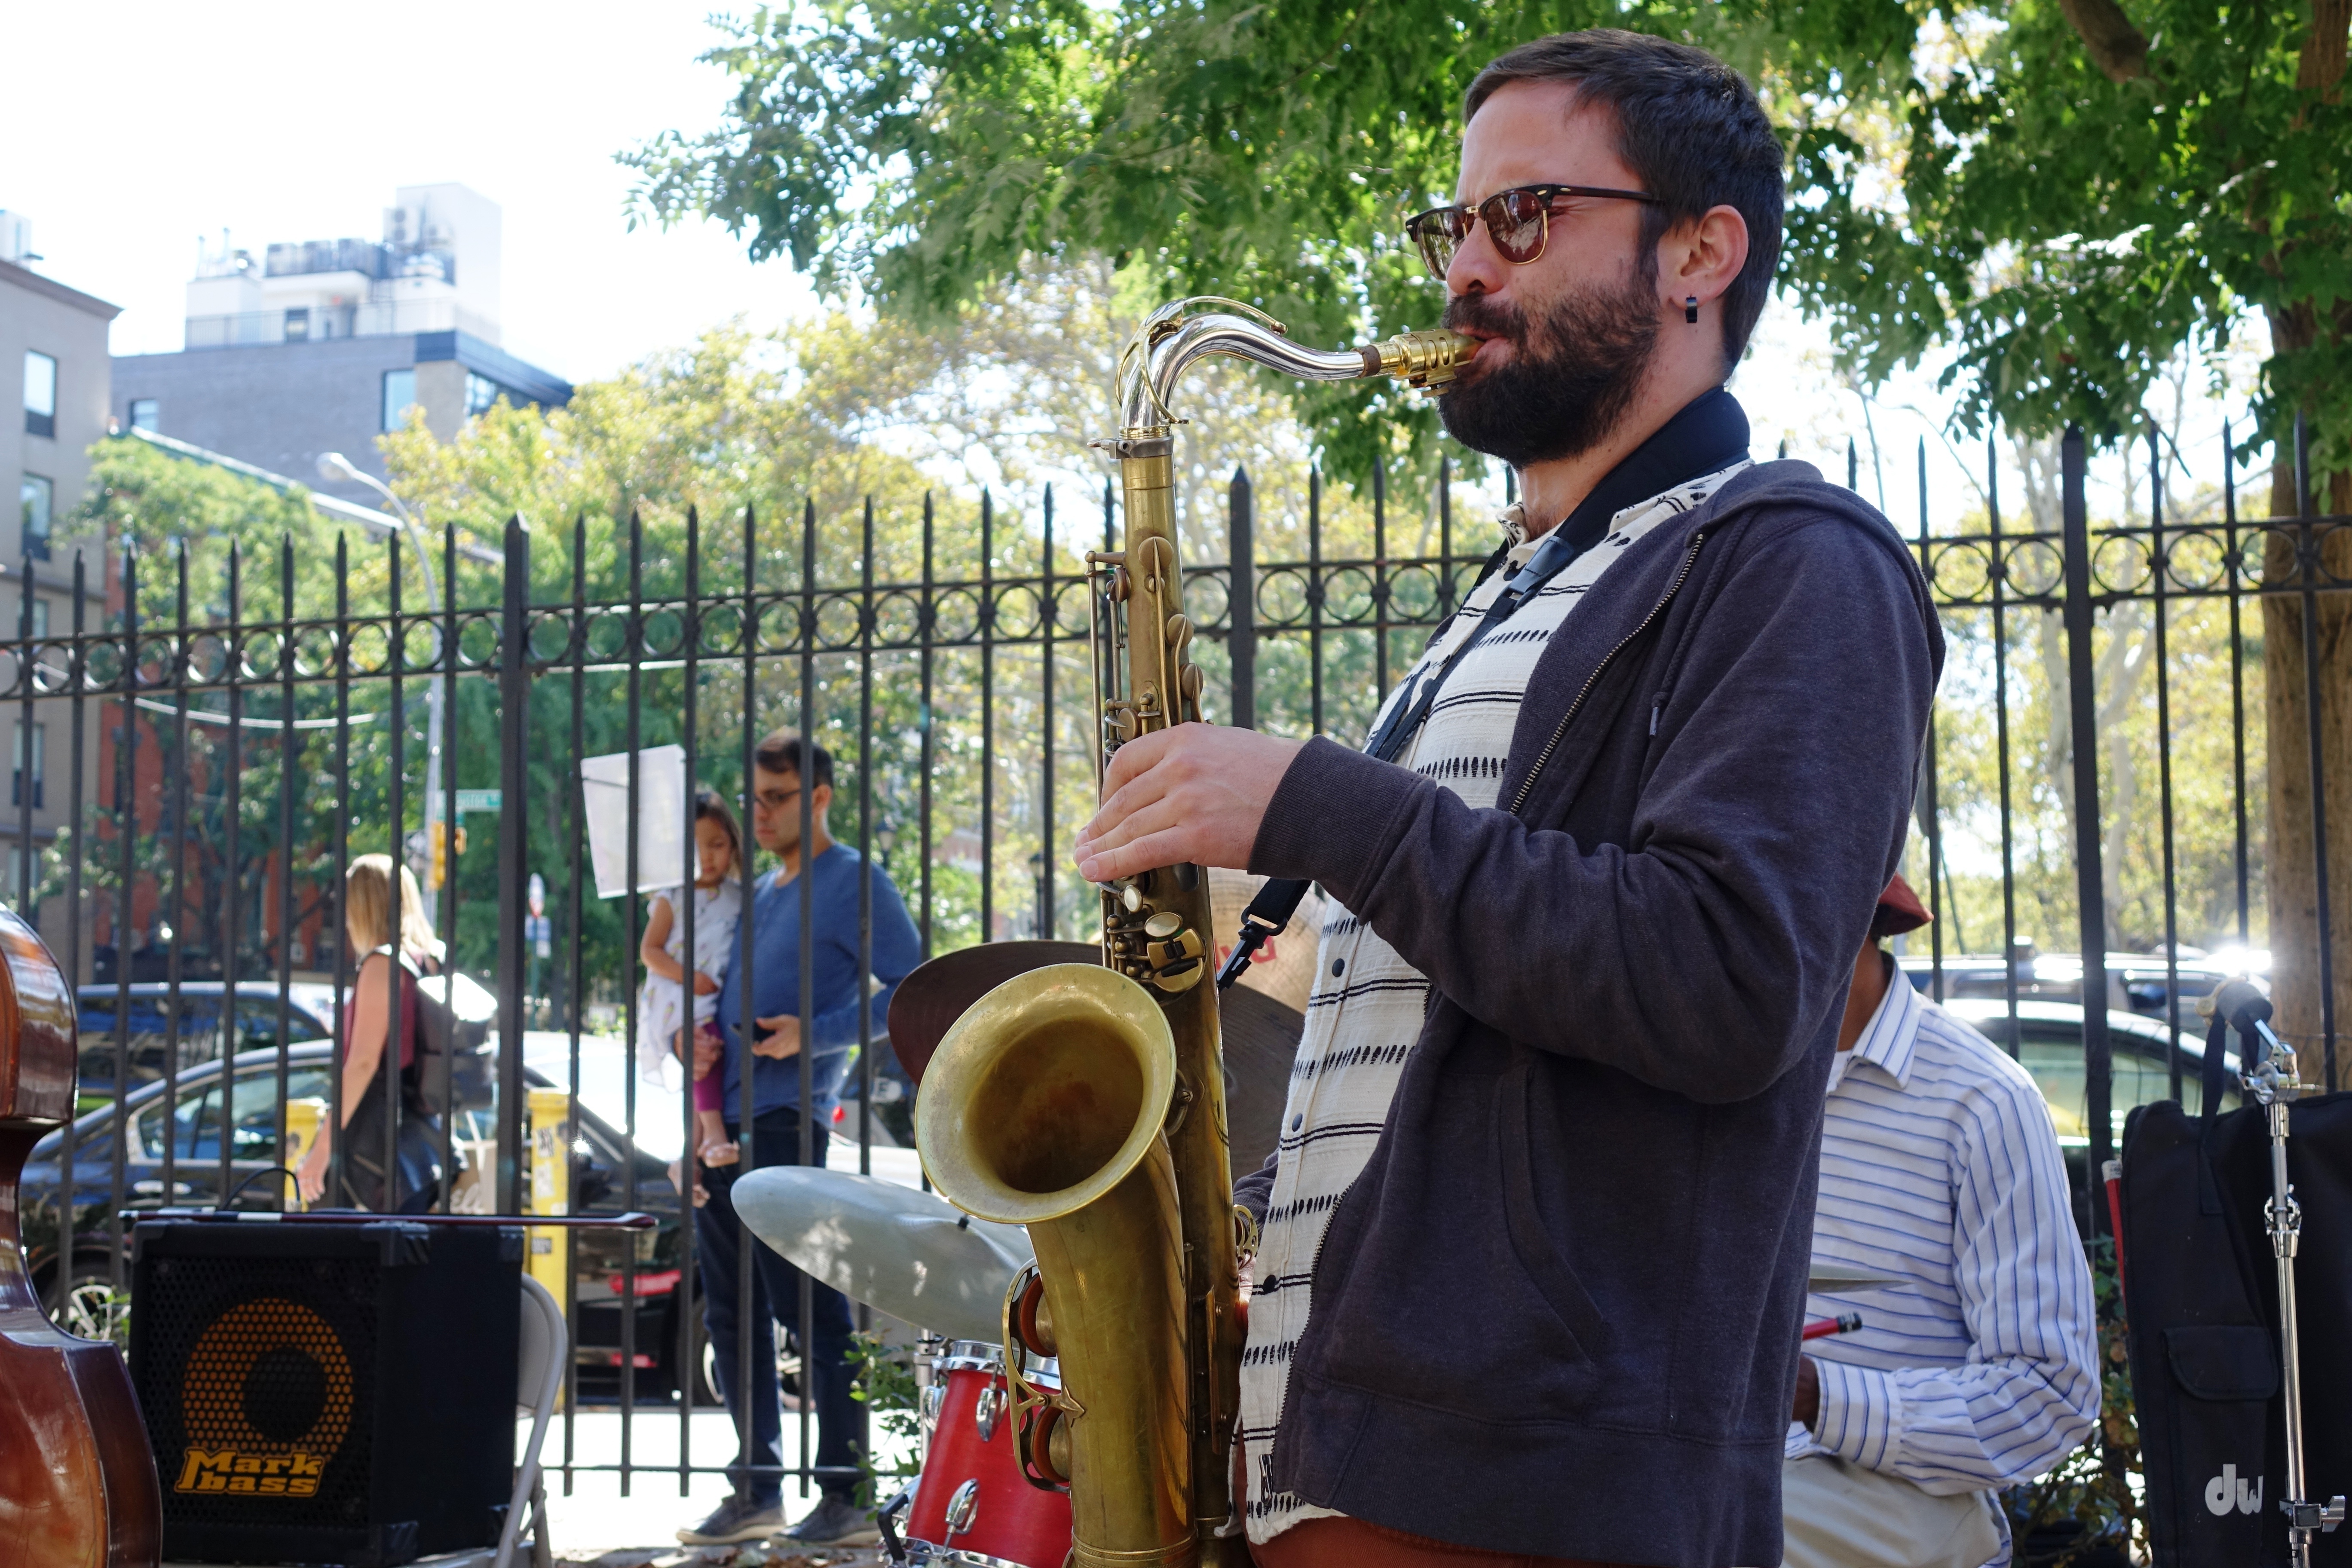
1088,1102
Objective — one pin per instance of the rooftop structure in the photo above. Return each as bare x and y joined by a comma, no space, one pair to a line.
434,271
322,345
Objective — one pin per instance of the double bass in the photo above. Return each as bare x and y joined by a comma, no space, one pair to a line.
78,1487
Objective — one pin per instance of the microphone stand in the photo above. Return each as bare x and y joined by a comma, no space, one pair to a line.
2271,1082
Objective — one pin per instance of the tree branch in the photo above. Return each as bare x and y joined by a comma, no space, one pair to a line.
2116,47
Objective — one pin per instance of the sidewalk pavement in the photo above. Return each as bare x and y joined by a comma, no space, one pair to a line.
596,1524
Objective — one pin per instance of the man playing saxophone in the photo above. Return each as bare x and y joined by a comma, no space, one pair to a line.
1536,1237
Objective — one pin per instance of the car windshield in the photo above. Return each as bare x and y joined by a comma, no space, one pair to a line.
191,1127
2139,1076
153,1034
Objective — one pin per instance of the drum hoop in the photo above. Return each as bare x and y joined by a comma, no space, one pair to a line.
922,1553
982,1356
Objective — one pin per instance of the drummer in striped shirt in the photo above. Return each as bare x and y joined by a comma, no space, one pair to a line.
1975,1371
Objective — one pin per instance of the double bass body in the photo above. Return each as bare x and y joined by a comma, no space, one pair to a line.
78,1486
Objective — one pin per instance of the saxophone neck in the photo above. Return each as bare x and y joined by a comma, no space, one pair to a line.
1177,335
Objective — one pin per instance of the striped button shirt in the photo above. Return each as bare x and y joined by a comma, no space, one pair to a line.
1368,1003
1940,1169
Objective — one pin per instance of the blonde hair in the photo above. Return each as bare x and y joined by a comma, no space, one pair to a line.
367,907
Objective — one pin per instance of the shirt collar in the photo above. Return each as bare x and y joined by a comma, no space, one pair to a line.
1709,433
1892,1036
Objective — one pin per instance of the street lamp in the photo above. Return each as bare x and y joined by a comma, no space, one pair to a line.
337,468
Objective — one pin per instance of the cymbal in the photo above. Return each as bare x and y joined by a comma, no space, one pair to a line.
1260,1034
932,998
1831,1279
900,1251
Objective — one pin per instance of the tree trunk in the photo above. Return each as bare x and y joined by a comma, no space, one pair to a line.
2294,883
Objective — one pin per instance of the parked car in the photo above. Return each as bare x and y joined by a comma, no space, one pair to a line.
2049,1046
192,1021
181,1144
2137,981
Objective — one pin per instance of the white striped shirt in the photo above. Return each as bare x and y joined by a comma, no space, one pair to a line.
1368,1003
1940,1168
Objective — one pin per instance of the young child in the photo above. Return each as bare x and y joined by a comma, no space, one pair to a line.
665,1021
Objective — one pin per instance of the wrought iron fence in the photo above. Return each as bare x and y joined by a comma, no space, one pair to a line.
237,737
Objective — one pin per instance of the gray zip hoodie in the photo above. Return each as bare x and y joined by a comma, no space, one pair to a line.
1558,1311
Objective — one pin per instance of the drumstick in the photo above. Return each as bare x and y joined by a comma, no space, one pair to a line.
1822,1328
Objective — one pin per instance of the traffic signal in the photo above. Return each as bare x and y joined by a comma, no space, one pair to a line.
439,839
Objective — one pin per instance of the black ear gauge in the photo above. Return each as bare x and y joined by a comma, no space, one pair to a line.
1690,310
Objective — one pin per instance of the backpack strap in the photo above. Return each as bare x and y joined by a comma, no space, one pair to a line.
2226,1003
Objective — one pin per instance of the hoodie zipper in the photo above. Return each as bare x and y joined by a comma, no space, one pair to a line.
1681,573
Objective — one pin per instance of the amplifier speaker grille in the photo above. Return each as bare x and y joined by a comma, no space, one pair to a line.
319,1393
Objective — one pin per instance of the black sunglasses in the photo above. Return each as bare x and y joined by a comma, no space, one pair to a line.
1519,221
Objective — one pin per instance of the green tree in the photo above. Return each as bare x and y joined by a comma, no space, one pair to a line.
184,523
2056,197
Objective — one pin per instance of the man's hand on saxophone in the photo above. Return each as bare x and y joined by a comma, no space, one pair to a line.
1193,793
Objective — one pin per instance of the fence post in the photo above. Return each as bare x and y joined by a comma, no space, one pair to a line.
1241,601
2089,879
514,739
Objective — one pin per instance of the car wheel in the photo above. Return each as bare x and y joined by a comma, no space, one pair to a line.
706,1368
86,1305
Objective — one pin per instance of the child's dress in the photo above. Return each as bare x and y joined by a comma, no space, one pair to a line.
661,1004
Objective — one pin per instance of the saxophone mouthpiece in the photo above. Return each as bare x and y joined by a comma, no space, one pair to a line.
1425,361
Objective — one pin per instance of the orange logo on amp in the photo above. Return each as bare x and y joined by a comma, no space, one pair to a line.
252,1475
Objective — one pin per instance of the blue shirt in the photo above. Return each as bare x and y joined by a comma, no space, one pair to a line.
1940,1170
774,977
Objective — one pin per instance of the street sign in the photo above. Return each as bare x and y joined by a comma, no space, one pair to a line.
477,800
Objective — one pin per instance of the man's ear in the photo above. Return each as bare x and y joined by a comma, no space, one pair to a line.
1702,260
820,801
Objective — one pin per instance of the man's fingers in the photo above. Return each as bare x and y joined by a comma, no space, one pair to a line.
1163,849
1138,755
1128,799
1160,817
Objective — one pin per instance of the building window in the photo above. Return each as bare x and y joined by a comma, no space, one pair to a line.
481,391
297,325
143,414
41,619
40,393
38,495
21,778
399,398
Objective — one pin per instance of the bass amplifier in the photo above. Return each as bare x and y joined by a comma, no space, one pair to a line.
319,1393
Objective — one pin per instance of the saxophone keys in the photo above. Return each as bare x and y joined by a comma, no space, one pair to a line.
1163,925
1167,954
1178,977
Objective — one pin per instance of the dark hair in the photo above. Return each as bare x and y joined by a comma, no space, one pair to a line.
781,752
709,807
1692,132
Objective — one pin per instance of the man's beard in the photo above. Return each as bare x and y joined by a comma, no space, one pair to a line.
1570,378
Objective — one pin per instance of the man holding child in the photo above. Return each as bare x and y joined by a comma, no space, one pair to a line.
786,764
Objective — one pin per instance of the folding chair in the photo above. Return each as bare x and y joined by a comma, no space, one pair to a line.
545,1346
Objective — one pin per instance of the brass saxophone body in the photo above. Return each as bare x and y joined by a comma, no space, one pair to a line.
1088,1102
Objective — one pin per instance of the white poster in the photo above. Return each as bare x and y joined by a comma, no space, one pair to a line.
661,820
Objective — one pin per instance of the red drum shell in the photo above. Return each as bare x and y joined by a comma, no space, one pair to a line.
1012,1521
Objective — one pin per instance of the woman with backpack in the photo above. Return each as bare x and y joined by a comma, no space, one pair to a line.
372,929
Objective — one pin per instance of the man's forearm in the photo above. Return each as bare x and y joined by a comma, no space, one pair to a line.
1959,1429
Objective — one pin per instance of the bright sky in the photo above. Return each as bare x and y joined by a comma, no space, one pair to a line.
130,130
